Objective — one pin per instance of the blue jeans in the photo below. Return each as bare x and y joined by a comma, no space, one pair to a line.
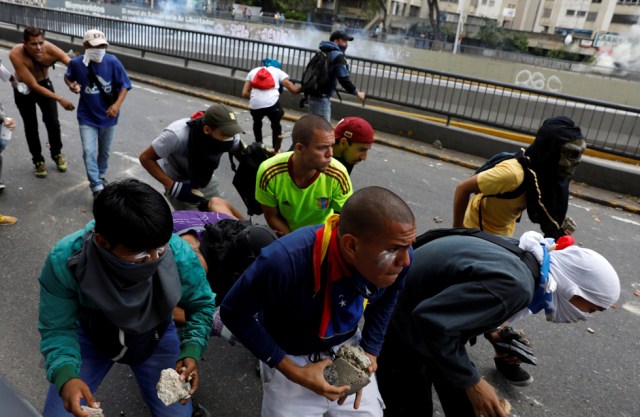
320,106
96,144
95,367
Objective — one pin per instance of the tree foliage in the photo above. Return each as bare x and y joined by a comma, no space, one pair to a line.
490,34
295,5
434,18
515,41
370,8
494,36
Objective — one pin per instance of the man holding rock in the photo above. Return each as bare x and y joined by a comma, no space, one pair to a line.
106,296
310,288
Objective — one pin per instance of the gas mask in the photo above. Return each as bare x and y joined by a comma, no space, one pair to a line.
570,155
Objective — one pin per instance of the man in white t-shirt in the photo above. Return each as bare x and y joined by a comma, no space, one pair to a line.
262,87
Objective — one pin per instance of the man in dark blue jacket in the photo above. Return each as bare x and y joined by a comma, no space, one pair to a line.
463,286
310,287
320,105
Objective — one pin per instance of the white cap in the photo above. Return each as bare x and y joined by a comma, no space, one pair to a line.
95,38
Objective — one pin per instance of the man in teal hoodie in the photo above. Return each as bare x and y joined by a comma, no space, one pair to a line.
106,296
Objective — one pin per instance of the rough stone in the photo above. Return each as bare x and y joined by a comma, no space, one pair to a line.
170,388
350,367
95,412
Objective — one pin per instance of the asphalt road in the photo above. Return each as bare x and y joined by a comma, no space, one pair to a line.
588,369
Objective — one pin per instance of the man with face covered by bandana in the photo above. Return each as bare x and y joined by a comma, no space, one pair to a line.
460,287
184,157
106,295
102,83
541,185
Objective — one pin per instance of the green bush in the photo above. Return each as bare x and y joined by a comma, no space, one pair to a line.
295,15
515,41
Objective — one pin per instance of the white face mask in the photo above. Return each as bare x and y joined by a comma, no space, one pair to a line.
565,312
94,54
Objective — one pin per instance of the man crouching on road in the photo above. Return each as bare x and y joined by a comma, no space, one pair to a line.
106,295
310,287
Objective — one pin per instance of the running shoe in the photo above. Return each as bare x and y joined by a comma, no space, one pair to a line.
41,170
6,220
61,164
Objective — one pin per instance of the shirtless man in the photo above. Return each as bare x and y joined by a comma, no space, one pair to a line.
31,60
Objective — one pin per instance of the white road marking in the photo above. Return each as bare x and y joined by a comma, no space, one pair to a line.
632,307
581,207
152,91
127,157
622,219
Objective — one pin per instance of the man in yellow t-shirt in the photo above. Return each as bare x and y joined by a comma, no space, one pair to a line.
537,181
551,161
499,215
304,186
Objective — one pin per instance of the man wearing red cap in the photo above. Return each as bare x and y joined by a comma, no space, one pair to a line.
354,138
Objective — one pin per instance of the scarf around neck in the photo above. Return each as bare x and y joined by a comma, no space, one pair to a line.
326,247
134,299
204,153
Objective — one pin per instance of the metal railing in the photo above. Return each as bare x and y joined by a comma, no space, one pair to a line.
607,127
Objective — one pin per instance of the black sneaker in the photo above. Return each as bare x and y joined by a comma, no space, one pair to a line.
513,373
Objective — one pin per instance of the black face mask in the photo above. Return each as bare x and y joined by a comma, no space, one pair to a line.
204,153
342,48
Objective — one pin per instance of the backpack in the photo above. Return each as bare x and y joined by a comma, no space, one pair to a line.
263,80
500,157
315,78
527,257
495,160
245,175
229,246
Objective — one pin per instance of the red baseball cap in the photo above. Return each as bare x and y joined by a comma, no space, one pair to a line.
354,129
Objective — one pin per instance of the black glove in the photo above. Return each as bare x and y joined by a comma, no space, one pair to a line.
513,343
203,205
183,192
519,350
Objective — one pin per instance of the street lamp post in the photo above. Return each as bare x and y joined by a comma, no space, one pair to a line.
460,28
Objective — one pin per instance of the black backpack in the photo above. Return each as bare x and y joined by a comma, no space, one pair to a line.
315,78
527,257
503,156
244,178
229,246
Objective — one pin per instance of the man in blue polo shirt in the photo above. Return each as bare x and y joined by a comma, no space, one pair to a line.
102,83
